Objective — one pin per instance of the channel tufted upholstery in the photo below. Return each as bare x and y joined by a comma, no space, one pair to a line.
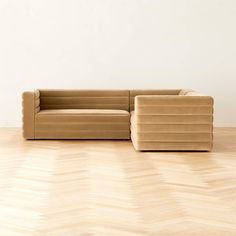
136,92
30,107
82,124
177,122
157,119
85,99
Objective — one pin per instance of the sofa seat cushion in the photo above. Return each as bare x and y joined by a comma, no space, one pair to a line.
82,124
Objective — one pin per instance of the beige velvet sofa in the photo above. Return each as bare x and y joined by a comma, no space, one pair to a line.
153,119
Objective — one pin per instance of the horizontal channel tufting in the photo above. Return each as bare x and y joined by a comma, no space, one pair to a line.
156,119
136,92
85,99
175,122
82,124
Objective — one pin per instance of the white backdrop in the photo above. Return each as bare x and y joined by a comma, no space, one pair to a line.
118,44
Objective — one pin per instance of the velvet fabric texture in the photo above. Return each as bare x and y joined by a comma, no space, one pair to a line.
153,119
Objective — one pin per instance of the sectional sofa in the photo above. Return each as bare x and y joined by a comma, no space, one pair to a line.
179,119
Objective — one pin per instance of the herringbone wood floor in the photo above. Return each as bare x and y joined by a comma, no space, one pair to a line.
105,188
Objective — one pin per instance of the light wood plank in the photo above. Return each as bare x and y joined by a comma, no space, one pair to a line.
104,188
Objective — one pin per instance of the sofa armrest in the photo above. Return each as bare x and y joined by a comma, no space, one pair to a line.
173,122
192,103
30,106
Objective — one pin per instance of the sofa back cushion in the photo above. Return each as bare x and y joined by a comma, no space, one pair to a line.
137,92
84,99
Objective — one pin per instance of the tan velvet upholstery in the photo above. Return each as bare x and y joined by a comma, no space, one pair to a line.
136,92
84,99
76,114
31,106
172,122
160,119
82,124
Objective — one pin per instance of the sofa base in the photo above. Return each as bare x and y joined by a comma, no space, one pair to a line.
85,136
171,146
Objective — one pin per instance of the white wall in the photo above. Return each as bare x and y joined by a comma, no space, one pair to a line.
118,44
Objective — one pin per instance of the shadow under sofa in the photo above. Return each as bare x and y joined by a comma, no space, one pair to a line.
179,119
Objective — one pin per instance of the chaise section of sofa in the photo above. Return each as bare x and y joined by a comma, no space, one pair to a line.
180,121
